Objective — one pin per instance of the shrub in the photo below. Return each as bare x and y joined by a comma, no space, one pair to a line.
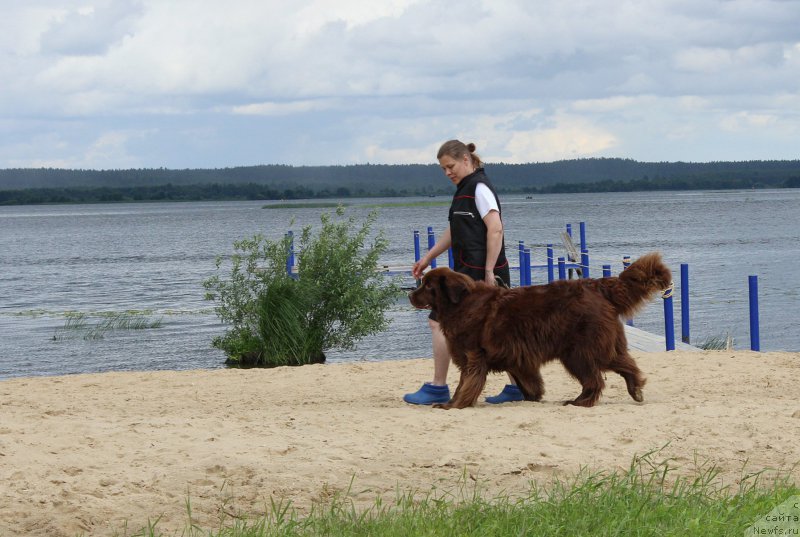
336,298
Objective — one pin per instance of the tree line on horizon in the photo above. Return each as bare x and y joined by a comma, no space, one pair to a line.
271,182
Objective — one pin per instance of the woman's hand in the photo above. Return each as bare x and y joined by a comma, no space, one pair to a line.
418,267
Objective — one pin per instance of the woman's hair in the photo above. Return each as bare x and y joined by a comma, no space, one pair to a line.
456,149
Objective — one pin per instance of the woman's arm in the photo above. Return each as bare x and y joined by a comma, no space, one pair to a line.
494,242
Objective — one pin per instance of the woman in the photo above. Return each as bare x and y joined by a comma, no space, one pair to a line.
476,236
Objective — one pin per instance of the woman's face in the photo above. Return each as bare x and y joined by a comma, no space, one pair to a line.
456,169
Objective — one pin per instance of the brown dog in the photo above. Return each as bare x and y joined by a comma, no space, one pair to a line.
517,330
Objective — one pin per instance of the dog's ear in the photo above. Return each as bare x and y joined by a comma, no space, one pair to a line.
454,288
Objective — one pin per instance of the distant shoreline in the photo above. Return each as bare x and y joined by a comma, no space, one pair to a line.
27,186
292,198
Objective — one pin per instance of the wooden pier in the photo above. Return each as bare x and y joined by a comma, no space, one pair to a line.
571,263
641,340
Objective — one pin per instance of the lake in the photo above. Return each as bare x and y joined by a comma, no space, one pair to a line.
151,259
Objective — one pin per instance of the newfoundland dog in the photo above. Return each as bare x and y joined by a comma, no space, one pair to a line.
517,330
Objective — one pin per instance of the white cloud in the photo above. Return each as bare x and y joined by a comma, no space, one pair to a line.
741,121
570,137
318,13
112,149
283,108
90,29
377,154
359,80
612,104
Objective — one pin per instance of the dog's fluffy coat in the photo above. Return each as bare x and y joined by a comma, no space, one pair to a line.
517,330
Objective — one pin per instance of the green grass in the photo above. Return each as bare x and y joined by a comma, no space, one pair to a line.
713,343
80,325
644,501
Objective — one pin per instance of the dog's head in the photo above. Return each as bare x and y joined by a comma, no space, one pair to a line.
441,288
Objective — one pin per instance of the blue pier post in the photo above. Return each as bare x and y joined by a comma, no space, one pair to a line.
685,303
669,319
606,271
569,230
527,256
562,269
450,262
584,246
585,263
416,246
755,338
521,263
550,264
626,262
431,243
290,258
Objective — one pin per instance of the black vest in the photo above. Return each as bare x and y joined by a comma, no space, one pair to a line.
468,231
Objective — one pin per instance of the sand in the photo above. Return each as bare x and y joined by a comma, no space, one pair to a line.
92,453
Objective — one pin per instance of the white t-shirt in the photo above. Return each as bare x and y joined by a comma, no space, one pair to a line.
485,200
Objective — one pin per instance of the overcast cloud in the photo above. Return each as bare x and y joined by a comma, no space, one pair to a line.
199,83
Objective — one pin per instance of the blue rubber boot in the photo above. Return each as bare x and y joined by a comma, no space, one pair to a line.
510,394
428,395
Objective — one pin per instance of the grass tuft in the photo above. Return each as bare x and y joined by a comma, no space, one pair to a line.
715,343
78,325
644,501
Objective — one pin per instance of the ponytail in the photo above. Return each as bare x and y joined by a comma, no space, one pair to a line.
456,149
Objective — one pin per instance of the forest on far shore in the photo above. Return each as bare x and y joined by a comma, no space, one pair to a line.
272,182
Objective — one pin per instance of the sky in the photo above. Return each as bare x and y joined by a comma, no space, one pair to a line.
117,84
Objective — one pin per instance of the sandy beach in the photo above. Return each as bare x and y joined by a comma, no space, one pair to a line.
91,453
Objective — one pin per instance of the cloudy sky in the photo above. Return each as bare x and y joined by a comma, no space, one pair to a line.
205,84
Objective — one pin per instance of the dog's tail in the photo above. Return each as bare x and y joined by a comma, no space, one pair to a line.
636,284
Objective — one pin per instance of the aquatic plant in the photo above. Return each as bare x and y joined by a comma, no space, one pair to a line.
79,325
716,343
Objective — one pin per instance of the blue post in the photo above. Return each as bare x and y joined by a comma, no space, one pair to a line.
606,271
550,264
569,230
669,319
562,269
290,258
416,246
583,236
450,260
527,266
431,243
755,339
685,303
521,263
626,262
585,263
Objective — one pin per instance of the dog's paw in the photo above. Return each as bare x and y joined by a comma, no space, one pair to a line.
638,396
443,406
579,402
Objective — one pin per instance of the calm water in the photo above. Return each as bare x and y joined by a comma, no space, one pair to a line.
152,258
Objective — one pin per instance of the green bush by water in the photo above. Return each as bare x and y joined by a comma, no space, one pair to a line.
337,297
